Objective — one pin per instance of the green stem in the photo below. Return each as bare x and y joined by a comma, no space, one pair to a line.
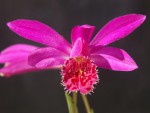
69,102
75,102
86,103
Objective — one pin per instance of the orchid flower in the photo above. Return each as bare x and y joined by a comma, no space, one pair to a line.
78,61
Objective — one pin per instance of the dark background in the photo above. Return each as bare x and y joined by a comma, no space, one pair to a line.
41,92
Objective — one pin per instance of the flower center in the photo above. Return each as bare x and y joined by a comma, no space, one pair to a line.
79,74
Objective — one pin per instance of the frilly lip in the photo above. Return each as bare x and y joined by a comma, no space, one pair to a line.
79,74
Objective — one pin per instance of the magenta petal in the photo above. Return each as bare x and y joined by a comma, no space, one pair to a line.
47,58
77,48
15,60
10,57
18,48
15,52
39,32
113,59
118,28
84,32
19,67
48,63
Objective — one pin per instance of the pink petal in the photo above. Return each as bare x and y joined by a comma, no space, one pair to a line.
18,48
10,57
39,32
84,31
47,58
113,59
19,67
118,28
48,63
15,51
15,60
77,48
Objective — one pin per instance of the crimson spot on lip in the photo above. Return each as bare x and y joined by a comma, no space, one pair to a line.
79,74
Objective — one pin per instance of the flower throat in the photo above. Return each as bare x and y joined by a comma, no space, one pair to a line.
79,74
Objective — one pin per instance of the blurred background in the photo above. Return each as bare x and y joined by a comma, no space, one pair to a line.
41,92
